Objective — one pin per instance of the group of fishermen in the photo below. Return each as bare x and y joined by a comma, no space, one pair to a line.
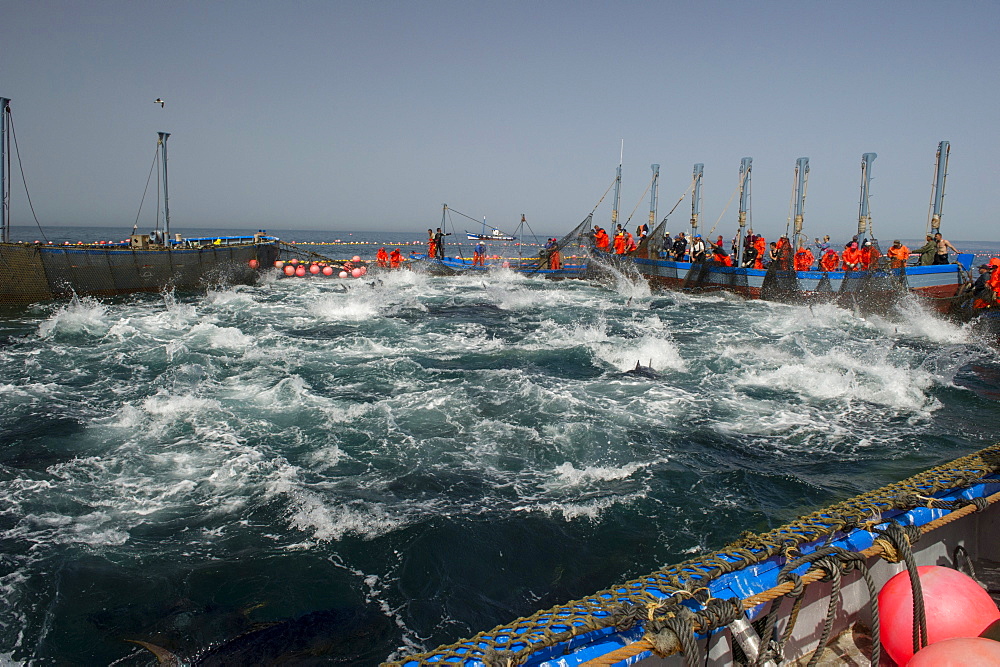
856,256
389,260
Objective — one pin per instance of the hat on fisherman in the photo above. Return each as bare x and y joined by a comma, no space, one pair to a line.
985,267
897,241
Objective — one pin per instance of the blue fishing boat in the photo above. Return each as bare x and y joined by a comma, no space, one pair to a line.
875,284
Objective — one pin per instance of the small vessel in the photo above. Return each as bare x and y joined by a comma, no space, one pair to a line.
494,235
33,272
808,590
871,287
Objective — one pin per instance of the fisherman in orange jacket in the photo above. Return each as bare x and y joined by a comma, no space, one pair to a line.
803,259
431,245
601,239
395,257
760,245
620,242
897,254
829,261
382,258
869,256
852,257
720,255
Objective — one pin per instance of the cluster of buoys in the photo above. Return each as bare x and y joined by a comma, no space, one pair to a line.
295,268
960,618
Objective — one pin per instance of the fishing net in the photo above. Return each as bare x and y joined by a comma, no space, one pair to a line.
577,242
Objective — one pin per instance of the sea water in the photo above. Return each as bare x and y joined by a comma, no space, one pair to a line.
382,465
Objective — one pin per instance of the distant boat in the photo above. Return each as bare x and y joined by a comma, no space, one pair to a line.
495,235
33,272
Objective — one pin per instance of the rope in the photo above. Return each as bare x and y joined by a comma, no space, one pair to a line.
156,155
737,189
641,197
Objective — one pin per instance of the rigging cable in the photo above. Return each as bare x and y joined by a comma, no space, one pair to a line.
156,155
20,167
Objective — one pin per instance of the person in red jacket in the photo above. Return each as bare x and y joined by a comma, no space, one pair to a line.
869,256
382,258
803,259
829,261
897,254
851,257
395,257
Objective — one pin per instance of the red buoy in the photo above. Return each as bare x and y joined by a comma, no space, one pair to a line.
356,258
958,652
314,269
300,271
278,264
254,264
356,272
327,270
955,606
343,274
289,270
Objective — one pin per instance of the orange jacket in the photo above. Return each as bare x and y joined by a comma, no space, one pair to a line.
829,261
619,244
852,259
897,256
382,257
601,240
869,257
803,259
395,257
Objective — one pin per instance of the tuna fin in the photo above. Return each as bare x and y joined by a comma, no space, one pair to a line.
163,656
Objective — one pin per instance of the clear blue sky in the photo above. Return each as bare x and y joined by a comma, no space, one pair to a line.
370,115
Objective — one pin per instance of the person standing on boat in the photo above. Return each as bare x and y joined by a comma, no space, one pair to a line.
941,249
851,257
382,258
479,255
772,254
619,241
869,256
829,261
601,239
803,258
431,245
698,253
395,258
897,254
927,251
630,244
439,242
821,246
679,247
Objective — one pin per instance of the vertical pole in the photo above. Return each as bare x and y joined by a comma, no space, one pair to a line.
745,165
699,170
4,184
618,186
864,217
801,181
162,142
941,173
653,195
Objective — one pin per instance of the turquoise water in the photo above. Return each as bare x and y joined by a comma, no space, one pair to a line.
380,466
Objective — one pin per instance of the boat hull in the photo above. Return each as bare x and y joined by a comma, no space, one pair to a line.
939,284
31,273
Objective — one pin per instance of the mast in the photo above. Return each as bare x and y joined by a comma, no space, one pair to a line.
699,170
745,165
864,218
801,182
941,172
4,160
162,143
653,194
618,186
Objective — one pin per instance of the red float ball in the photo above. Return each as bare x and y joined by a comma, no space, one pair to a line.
300,271
289,270
254,264
327,270
958,652
278,264
955,606
314,269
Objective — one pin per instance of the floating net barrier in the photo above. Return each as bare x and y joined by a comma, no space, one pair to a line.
662,611
578,242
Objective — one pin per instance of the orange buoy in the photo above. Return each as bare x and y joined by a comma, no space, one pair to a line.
955,606
294,261
958,652
300,271
327,270
356,258
356,272
289,270
364,269
278,264
254,263
343,274
314,269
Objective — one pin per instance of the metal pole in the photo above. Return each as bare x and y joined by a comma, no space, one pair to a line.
745,165
801,179
652,194
4,185
166,208
864,218
618,186
941,173
699,170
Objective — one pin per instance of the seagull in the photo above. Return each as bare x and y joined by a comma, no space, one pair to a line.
158,101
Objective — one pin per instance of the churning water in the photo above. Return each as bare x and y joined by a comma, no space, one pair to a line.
382,465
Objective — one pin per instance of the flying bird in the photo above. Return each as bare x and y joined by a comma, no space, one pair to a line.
158,101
